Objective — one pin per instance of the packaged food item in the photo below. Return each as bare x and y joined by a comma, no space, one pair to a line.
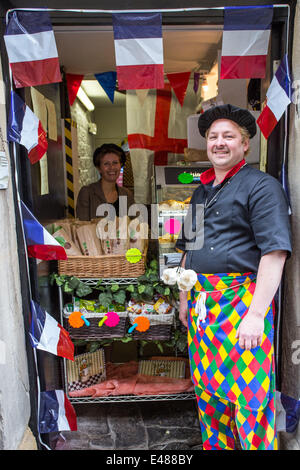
70,247
113,236
163,368
140,308
171,205
134,307
88,240
138,234
161,306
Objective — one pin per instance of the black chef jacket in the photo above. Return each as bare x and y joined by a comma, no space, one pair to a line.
248,219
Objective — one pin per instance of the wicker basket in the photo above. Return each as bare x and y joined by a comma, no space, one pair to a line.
93,331
160,326
115,266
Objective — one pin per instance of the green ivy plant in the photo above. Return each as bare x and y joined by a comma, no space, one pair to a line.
71,285
115,295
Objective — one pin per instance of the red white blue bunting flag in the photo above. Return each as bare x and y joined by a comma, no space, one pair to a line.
25,128
277,99
245,41
139,50
48,335
56,412
31,49
40,243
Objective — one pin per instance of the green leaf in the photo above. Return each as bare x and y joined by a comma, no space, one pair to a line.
119,297
160,346
182,343
148,291
67,288
74,282
94,346
83,290
114,287
167,291
141,288
160,289
105,298
126,339
154,264
130,288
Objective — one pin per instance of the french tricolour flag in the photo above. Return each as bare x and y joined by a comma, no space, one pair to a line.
139,50
25,128
48,335
56,412
245,41
278,98
31,48
40,243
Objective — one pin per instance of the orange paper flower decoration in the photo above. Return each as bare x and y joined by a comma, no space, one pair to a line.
75,320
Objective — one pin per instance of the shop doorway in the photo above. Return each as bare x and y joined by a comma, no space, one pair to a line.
88,49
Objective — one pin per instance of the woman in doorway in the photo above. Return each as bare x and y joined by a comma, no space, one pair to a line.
108,159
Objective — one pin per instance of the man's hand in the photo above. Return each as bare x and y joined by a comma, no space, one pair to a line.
251,328
250,331
183,308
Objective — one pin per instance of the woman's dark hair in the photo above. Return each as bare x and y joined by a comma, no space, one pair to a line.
108,148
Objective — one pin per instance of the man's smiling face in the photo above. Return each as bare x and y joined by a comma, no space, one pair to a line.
225,144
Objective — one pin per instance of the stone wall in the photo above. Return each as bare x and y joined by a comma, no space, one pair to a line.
86,144
14,382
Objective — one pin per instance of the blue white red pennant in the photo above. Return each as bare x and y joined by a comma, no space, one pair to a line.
48,335
40,243
31,48
56,412
25,128
278,98
245,41
139,50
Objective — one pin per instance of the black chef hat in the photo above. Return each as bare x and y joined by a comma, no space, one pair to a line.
240,116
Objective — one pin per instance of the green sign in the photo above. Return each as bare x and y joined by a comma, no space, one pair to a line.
185,178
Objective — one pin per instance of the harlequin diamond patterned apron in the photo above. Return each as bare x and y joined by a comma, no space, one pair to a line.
217,303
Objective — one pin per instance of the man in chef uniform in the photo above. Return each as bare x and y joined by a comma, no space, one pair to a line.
230,310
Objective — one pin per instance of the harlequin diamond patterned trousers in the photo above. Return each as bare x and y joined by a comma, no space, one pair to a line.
235,388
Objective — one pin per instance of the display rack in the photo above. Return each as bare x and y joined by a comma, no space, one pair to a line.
117,398
166,186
